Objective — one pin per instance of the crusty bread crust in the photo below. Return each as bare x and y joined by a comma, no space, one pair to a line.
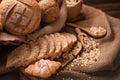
20,17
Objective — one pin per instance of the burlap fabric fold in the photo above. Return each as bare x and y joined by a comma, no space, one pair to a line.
107,65
109,45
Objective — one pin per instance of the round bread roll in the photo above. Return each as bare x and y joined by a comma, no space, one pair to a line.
20,17
50,10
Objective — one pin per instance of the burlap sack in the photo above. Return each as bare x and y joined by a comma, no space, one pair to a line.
107,65
109,45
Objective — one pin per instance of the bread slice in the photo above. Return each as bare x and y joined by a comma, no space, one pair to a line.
51,45
17,57
58,46
69,40
63,42
35,49
70,37
43,48
74,38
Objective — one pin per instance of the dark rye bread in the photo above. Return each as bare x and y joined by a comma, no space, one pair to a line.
34,52
43,48
17,57
51,45
58,46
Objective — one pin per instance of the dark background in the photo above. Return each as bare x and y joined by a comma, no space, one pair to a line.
100,1
111,7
